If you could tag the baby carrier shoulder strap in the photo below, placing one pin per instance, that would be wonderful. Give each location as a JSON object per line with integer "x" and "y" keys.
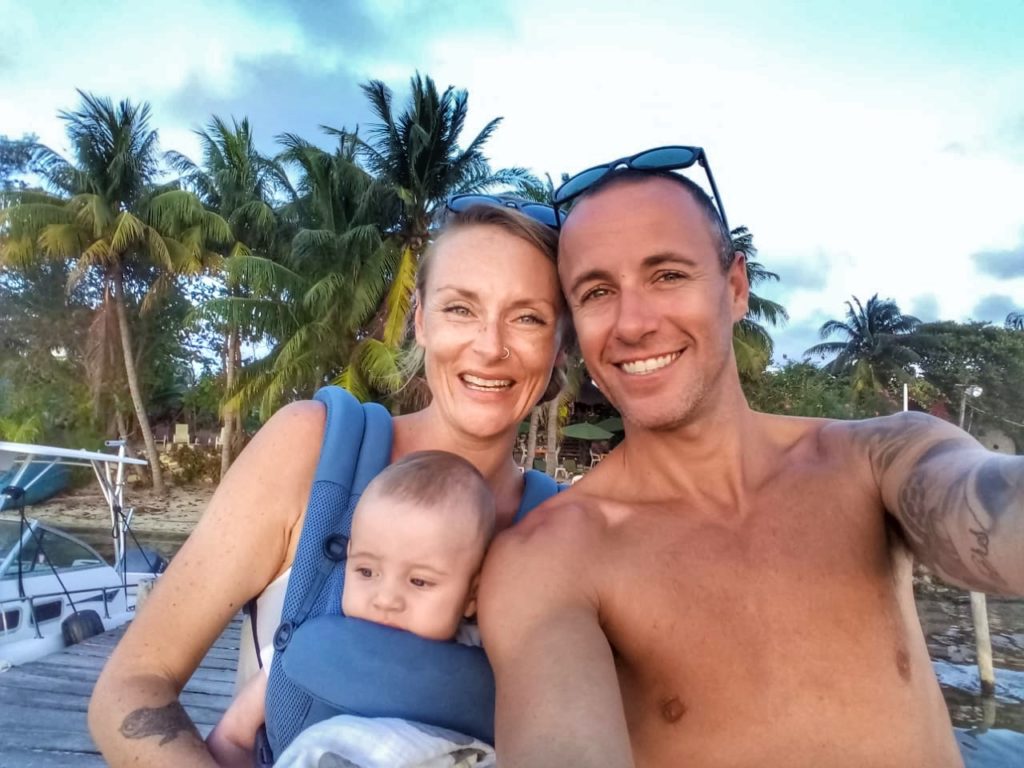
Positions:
{"x": 356, "y": 447}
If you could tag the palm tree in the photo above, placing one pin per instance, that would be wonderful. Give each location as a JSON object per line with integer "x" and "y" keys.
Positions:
{"x": 239, "y": 184}
{"x": 103, "y": 215}
{"x": 876, "y": 346}
{"x": 417, "y": 154}
{"x": 314, "y": 304}
{"x": 1015, "y": 321}
{"x": 751, "y": 340}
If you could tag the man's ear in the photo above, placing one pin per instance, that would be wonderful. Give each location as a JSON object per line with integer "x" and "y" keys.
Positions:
{"x": 417, "y": 318}
{"x": 470, "y": 610}
{"x": 739, "y": 287}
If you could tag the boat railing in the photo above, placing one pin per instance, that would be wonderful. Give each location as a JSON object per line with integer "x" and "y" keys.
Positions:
{"x": 108, "y": 594}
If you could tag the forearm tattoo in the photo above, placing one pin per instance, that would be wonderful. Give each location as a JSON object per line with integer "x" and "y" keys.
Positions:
{"x": 166, "y": 722}
{"x": 954, "y": 510}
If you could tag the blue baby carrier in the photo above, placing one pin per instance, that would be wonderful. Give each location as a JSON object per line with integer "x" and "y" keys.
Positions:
{"x": 326, "y": 664}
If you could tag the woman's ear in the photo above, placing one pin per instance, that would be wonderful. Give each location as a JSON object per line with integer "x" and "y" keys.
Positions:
{"x": 470, "y": 610}
{"x": 417, "y": 318}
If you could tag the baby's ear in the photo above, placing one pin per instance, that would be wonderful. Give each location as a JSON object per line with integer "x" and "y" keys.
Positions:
{"x": 470, "y": 610}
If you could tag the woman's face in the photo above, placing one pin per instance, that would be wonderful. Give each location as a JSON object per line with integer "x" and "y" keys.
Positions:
{"x": 487, "y": 292}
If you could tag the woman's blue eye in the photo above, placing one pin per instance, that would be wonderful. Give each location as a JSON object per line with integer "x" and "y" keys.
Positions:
{"x": 459, "y": 311}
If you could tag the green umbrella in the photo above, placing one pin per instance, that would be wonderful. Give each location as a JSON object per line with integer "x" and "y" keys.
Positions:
{"x": 586, "y": 431}
{"x": 612, "y": 424}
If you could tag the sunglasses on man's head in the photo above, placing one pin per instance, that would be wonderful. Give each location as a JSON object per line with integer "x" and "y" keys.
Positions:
{"x": 541, "y": 212}
{"x": 657, "y": 159}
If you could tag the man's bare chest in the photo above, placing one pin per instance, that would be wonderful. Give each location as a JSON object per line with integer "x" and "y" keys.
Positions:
{"x": 679, "y": 575}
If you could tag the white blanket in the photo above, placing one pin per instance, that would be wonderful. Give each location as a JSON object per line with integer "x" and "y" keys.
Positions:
{"x": 347, "y": 741}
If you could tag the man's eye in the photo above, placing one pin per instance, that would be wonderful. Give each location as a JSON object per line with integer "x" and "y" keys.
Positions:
{"x": 670, "y": 277}
{"x": 594, "y": 293}
{"x": 421, "y": 583}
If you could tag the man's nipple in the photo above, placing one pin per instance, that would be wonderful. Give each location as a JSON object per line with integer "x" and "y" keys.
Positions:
{"x": 672, "y": 709}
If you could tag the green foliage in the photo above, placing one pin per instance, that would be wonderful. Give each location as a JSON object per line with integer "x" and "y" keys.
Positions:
{"x": 960, "y": 354}
{"x": 306, "y": 259}
{"x": 803, "y": 389}
{"x": 194, "y": 463}
{"x": 15, "y": 157}
{"x": 876, "y": 349}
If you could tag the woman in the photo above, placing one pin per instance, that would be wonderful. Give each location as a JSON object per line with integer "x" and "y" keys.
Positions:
{"x": 490, "y": 319}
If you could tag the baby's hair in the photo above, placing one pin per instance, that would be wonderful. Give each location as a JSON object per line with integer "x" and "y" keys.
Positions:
{"x": 433, "y": 478}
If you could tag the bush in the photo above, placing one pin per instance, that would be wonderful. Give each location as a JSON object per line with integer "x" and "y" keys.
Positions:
{"x": 193, "y": 463}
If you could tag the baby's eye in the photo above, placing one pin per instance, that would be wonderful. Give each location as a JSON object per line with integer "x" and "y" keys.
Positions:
{"x": 421, "y": 583}
{"x": 366, "y": 573}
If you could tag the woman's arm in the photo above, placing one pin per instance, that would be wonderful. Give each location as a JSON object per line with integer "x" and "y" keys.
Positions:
{"x": 232, "y": 740}
{"x": 245, "y": 538}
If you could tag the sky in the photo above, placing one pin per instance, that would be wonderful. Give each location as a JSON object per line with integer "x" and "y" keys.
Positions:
{"x": 871, "y": 147}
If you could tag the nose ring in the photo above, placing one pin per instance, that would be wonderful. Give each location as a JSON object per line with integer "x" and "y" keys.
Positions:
{"x": 507, "y": 353}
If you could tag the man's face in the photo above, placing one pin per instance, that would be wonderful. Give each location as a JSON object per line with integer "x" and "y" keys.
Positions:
{"x": 652, "y": 307}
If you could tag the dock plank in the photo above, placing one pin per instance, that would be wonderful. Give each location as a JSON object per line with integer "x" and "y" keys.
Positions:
{"x": 43, "y": 719}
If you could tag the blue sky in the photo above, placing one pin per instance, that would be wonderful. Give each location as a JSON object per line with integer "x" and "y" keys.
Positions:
{"x": 870, "y": 147}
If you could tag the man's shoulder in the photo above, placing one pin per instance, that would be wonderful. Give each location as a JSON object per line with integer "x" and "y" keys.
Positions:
{"x": 566, "y": 520}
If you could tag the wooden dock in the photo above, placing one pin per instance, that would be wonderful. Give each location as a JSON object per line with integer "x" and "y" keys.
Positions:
{"x": 43, "y": 704}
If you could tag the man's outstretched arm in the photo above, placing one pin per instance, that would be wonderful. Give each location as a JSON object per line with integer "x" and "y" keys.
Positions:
{"x": 961, "y": 506}
{"x": 558, "y": 694}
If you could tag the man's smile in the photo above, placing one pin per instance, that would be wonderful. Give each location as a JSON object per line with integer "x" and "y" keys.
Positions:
{"x": 648, "y": 365}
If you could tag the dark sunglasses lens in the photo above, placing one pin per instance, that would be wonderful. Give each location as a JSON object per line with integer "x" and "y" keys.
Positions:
{"x": 460, "y": 203}
{"x": 545, "y": 214}
{"x": 578, "y": 183}
{"x": 665, "y": 158}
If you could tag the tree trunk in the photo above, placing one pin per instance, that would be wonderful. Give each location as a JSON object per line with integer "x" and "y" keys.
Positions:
{"x": 228, "y": 435}
{"x": 152, "y": 455}
{"x": 552, "y": 456}
{"x": 531, "y": 438}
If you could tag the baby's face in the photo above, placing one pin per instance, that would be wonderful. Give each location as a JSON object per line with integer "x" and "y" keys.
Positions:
{"x": 412, "y": 568}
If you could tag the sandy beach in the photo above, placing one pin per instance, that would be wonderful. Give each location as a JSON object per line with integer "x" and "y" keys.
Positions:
{"x": 162, "y": 523}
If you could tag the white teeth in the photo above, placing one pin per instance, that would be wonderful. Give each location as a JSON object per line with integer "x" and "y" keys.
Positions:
{"x": 475, "y": 382}
{"x": 650, "y": 365}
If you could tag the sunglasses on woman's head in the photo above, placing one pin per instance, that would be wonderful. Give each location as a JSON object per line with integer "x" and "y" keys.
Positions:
{"x": 657, "y": 159}
{"x": 541, "y": 212}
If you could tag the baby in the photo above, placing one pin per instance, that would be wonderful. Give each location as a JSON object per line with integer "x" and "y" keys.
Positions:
{"x": 419, "y": 534}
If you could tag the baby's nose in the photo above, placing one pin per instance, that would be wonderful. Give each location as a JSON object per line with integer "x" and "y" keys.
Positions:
{"x": 388, "y": 600}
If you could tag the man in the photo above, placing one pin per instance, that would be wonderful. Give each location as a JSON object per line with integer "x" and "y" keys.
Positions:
{"x": 728, "y": 588}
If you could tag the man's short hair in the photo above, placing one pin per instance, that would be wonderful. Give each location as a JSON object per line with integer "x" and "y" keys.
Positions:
{"x": 721, "y": 236}
{"x": 436, "y": 478}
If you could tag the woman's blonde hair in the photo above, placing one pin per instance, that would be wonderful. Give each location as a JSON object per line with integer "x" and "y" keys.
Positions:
{"x": 519, "y": 225}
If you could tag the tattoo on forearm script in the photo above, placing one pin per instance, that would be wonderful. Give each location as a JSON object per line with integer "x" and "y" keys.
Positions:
{"x": 952, "y": 511}
{"x": 166, "y": 722}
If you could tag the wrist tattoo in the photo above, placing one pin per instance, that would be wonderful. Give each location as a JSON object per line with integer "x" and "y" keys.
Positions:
{"x": 167, "y": 722}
